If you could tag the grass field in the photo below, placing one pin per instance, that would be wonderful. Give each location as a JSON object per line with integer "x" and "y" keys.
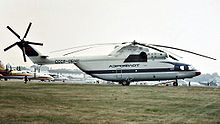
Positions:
{"x": 88, "y": 103}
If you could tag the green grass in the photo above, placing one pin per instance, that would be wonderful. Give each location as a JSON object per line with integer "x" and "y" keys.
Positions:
{"x": 88, "y": 103}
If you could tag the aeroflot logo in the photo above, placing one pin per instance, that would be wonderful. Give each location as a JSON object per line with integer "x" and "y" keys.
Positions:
{"x": 126, "y": 65}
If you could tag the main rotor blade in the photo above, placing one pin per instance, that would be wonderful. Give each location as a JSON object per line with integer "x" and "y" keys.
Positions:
{"x": 151, "y": 47}
{"x": 10, "y": 46}
{"x": 27, "y": 30}
{"x": 41, "y": 44}
{"x": 23, "y": 51}
{"x": 14, "y": 32}
{"x": 83, "y": 46}
{"x": 183, "y": 51}
{"x": 173, "y": 58}
{"x": 77, "y": 51}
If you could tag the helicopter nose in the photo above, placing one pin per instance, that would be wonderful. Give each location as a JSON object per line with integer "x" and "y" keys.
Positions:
{"x": 198, "y": 73}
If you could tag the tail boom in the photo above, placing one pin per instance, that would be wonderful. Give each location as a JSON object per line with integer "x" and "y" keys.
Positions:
{"x": 37, "y": 58}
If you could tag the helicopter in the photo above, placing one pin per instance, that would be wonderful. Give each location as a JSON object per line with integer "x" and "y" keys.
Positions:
{"x": 128, "y": 62}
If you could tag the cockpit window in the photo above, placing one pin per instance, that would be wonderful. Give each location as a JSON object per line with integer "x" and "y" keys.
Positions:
{"x": 142, "y": 57}
{"x": 183, "y": 68}
{"x": 176, "y": 67}
{"x": 186, "y": 67}
{"x": 190, "y": 67}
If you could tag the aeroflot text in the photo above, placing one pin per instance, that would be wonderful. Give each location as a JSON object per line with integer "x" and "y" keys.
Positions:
{"x": 126, "y": 65}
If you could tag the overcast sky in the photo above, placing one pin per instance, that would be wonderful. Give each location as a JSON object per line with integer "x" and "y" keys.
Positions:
{"x": 188, "y": 24}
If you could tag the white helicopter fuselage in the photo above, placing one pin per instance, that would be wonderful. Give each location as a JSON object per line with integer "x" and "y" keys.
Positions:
{"x": 114, "y": 69}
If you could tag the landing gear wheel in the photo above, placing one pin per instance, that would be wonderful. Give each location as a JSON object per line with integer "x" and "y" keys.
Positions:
{"x": 125, "y": 83}
{"x": 175, "y": 83}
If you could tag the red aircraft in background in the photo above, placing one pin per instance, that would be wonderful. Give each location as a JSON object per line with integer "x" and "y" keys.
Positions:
{"x": 9, "y": 73}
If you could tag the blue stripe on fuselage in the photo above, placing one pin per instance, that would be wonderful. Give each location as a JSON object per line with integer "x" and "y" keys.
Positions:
{"x": 133, "y": 71}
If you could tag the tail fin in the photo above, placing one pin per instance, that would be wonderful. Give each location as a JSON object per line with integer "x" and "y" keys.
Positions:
{"x": 34, "y": 55}
{"x": 30, "y": 51}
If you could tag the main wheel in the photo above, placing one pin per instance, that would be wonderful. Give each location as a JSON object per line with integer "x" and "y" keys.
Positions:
{"x": 125, "y": 83}
{"x": 175, "y": 84}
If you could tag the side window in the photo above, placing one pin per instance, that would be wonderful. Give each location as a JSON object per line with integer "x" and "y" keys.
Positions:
{"x": 142, "y": 57}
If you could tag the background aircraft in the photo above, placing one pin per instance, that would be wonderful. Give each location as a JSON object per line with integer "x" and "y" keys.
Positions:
{"x": 9, "y": 73}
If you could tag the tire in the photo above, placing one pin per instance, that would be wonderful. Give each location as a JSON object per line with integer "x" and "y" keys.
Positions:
{"x": 175, "y": 84}
{"x": 125, "y": 83}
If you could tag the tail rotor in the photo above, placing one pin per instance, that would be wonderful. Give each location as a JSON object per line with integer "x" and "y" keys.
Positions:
{"x": 22, "y": 43}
